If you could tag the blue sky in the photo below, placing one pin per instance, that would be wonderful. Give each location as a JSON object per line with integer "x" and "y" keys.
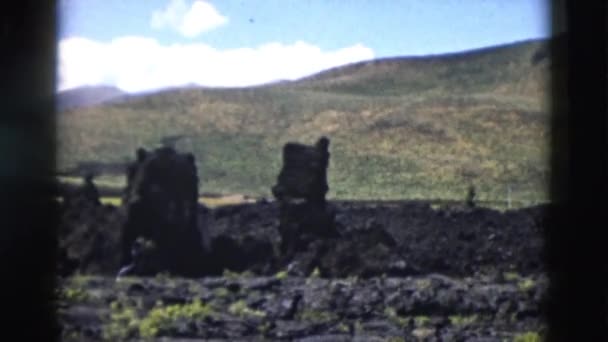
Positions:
{"x": 144, "y": 45}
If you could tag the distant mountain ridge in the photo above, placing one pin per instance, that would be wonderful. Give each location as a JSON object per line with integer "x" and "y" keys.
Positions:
{"x": 86, "y": 96}
{"x": 394, "y": 71}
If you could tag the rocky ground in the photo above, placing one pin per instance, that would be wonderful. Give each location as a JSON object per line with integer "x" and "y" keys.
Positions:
{"x": 401, "y": 271}
{"x": 392, "y": 238}
{"x": 282, "y": 308}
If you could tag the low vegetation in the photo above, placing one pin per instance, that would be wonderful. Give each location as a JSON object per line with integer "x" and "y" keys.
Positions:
{"x": 526, "y": 284}
{"x": 528, "y": 337}
{"x": 462, "y": 320}
{"x": 281, "y": 275}
{"x": 129, "y": 321}
{"x": 149, "y": 316}
{"x": 317, "y": 316}
{"x": 392, "y": 315}
{"x": 160, "y": 318}
{"x": 123, "y": 323}
{"x": 241, "y": 309}
{"x": 74, "y": 295}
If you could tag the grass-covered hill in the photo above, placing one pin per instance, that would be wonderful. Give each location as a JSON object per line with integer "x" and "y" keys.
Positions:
{"x": 407, "y": 127}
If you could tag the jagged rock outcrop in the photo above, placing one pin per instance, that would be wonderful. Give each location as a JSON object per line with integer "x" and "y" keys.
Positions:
{"x": 304, "y": 172}
{"x": 161, "y": 204}
{"x": 300, "y": 190}
{"x": 88, "y": 232}
{"x": 396, "y": 239}
{"x": 300, "y": 232}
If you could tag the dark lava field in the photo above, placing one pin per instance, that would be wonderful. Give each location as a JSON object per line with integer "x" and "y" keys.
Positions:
{"x": 398, "y": 271}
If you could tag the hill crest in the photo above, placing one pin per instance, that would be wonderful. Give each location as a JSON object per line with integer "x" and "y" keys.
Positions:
{"x": 86, "y": 96}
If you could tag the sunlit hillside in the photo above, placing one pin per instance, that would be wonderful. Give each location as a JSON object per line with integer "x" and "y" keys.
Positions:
{"x": 423, "y": 127}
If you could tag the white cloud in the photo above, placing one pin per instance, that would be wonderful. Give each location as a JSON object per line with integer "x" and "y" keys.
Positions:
{"x": 190, "y": 22}
{"x": 140, "y": 64}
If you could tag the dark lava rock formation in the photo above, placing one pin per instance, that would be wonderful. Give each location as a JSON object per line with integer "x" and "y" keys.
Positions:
{"x": 301, "y": 187}
{"x": 395, "y": 239}
{"x": 398, "y": 239}
{"x": 88, "y": 233}
{"x": 161, "y": 204}
{"x": 300, "y": 232}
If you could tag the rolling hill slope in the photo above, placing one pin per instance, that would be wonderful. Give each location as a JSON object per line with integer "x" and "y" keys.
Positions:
{"x": 423, "y": 127}
{"x": 511, "y": 68}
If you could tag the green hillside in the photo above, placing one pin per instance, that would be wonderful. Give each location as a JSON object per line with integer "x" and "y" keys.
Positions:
{"x": 423, "y": 127}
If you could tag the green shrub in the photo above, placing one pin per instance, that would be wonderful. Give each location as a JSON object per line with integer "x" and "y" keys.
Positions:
{"x": 221, "y": 292}
{"x": 396, "y": 339}
{"x": 421, "y": 320}
{"x": 281, "y": 275}
{"x": 511, "y": 276}
{"x": 264, "y": 328}
{"x": 343, "y": 327}
{"x": 526, "y": 284}
{"x": 235, "y": 275}
{"x": 124, "y": 322}
{"x": 240, "y": 308}
{"x": 462, "y": 320}
{"x": 529, "y": 336}
{"x": 316, "y": 316}
{"x": 392, "y": 315}
{"x": 423, "y": 283}
{"x": 161, "y": 317}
